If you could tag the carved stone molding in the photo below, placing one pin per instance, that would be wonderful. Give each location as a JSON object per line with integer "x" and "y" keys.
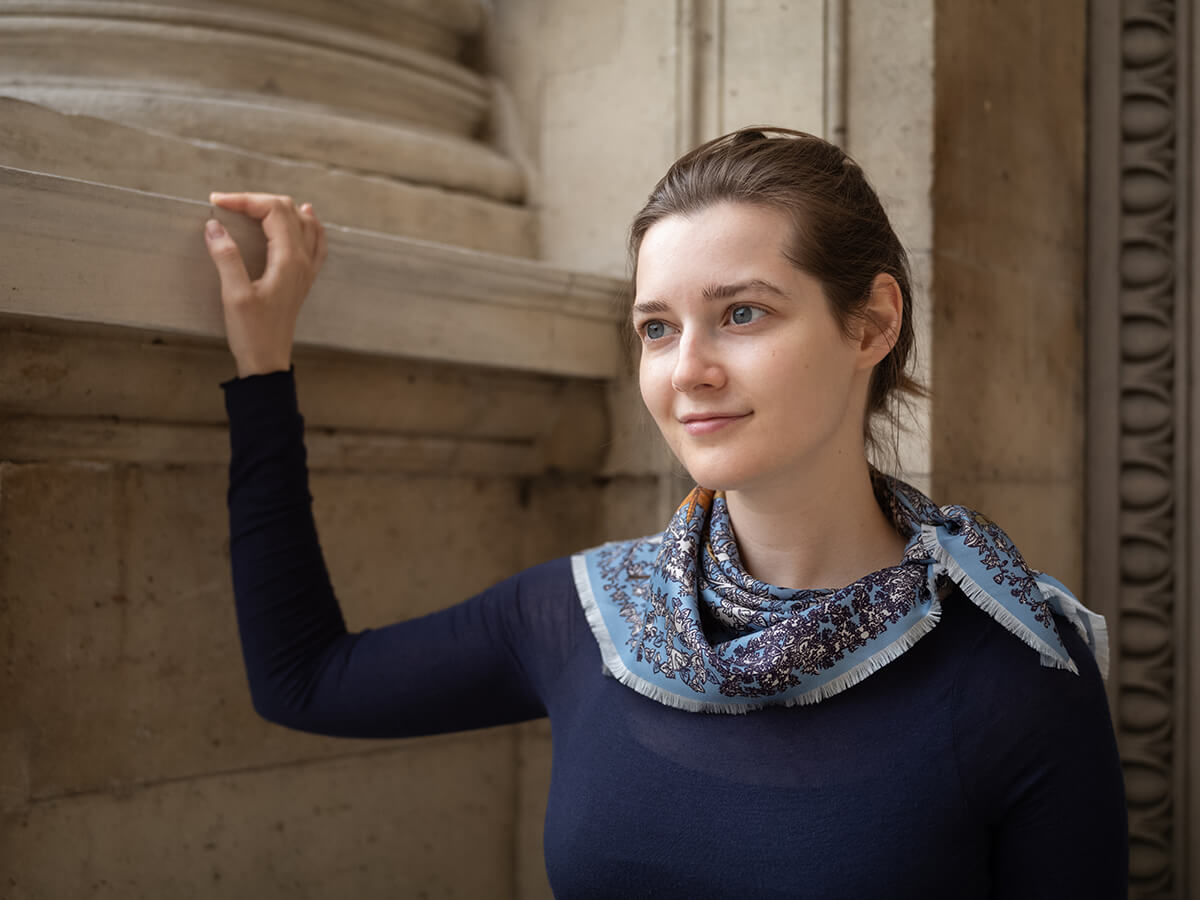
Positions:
{"x": 215, "y": 49}
{"x": 1139, "y": 450}
{"x": 267, "y": 85}
{"x": 137, "y": 260}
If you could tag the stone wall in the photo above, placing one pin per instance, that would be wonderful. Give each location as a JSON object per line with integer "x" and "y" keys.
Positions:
{"x": 1009, "y": 262}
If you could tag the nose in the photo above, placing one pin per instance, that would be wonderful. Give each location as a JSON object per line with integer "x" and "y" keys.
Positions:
{"x": 696, "y": 363}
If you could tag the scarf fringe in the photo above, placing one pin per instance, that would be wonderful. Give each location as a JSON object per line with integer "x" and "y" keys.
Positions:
{"x": 989, "y": 604}
{"x": 615, "y": 667}
{"x": 1091, "y": 626}
{"x": 611, "y": 658}
{"x": 869, "y": 666}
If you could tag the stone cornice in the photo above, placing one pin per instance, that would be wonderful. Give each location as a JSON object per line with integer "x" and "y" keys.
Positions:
{"x": 76, "y": 250}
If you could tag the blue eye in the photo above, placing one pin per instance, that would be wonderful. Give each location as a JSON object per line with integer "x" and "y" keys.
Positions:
{"x": 744, "y": 315}
{"x": 654, "y": 330}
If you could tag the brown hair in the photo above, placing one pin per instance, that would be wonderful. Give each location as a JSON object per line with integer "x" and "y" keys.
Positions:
{"x": 842, "y": 236}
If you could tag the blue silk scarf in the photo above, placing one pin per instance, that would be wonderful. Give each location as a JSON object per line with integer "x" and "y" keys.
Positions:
{"x": 679, "y": 620}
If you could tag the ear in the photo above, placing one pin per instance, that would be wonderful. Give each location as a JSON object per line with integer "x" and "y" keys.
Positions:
{"x": 881, "y": 320}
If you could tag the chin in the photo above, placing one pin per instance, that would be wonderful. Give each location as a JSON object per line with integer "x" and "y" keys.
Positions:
{"x": 731, "y": 476}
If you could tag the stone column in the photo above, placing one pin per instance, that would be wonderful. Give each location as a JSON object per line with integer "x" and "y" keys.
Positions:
{"x": 365, "y": 112}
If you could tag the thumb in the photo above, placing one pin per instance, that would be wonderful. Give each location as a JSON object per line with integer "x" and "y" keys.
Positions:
{"x": 235, "y": 281}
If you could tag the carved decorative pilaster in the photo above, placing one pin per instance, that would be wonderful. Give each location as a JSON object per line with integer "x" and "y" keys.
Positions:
{"x": 1138, "y": 451}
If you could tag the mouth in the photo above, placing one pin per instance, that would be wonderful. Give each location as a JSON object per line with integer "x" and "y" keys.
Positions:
{"x": 707, "y": 423}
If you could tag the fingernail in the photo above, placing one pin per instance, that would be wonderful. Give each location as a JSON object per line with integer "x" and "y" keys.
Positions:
{"x": 214, "y": 229}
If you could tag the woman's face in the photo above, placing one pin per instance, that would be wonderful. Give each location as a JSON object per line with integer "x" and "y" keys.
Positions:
{"x": 743, "y": 366}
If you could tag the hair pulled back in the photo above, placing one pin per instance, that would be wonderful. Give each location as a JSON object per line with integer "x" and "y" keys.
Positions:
{"x": 841, "y": 234}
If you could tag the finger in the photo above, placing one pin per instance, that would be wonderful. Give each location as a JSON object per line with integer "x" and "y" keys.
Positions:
{"x": 308, "y": 227}
{"x": 255, "y": 205}
{"x": 279, "y": 219}
{"x": 319, "y": 255}
{"x": 235, "y": 281}
{"x": 281, "y": 224}
{"x": 285, "y": 241}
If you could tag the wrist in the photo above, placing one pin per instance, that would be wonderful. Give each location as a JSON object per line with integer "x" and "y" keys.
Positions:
{"x": 247, "y": 368}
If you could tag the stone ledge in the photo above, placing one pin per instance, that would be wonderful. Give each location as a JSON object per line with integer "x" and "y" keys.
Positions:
{"x": 138, "y": 260}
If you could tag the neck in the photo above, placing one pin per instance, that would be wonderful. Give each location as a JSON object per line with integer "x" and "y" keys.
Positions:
{"x": 825, "y": 530}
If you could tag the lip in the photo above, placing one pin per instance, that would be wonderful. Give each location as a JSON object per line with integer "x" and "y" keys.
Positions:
{"x": 707, "y": 423}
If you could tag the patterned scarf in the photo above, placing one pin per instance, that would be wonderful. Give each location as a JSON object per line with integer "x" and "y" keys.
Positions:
{"x": 679, "y": 620}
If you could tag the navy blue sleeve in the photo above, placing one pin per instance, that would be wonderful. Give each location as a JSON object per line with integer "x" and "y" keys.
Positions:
{"x": 1038, "y": 760}
{"x": 455, "y": 669}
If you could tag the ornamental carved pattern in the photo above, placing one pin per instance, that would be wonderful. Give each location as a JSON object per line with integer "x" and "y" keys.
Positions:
{"x": 1149, "y": 312}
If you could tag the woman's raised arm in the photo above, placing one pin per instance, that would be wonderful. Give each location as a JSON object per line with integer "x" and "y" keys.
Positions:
{"x": 455, "y": 669}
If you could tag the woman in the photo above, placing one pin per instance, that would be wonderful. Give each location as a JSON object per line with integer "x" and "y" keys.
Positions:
{"x": 877, "y": 755}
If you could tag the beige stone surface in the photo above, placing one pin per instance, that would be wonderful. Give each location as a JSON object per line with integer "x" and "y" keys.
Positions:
{"x": 148, "y": 268}
{"x": 86, "y": 371}
{"x": 388, "y": 564}
{"x": 567, "y": 64}
{"x": 604, "y": 91}
{"x": 424, "y": 206}
{"x": 1009, "y": 376}
{"x": 391, "y": 823}
{"x": 1008, "y": 261}
{"x": 635, "y": 505}
{"x": 890, "y": 108}
{"x": 119, "y": 620}
{"x": 226, "y": 58}
{"x": 37, "y": 438}
{"x": 438, "y": 26}
{"x": 1044, "y": 519}
{"x": 299, "y": 134}
{"x": 766, "y": 45}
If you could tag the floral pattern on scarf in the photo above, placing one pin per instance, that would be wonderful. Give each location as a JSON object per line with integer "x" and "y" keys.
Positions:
{"x": 680, "y": 620}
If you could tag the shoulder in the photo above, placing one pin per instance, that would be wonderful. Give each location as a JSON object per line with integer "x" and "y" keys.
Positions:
{"x": 995, "y": 660}
{"x": 1001, "y": 681}
{"x": 1017, "y": 722}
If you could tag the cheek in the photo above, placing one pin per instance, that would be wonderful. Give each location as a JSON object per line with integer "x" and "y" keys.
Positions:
{"x": 654, "y": 382}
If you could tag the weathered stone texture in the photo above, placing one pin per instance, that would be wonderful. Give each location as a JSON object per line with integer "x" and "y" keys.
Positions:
{"x": 1008, "y": 269}
{"x": 391, "y": 823}
{"x": 127, "y": 731}
{"x": 84, "y": 146}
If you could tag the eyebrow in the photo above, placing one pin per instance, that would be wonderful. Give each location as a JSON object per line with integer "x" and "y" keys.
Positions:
{"x": 712, "y": 292}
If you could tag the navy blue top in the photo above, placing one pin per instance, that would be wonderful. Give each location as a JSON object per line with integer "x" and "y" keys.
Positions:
{"x": 963, "y": 769}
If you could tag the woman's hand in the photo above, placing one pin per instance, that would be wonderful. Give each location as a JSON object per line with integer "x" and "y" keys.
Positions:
{"x": 260, "y": 316}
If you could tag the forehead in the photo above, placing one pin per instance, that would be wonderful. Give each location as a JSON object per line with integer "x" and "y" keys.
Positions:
{"x": 724, "y": 242}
